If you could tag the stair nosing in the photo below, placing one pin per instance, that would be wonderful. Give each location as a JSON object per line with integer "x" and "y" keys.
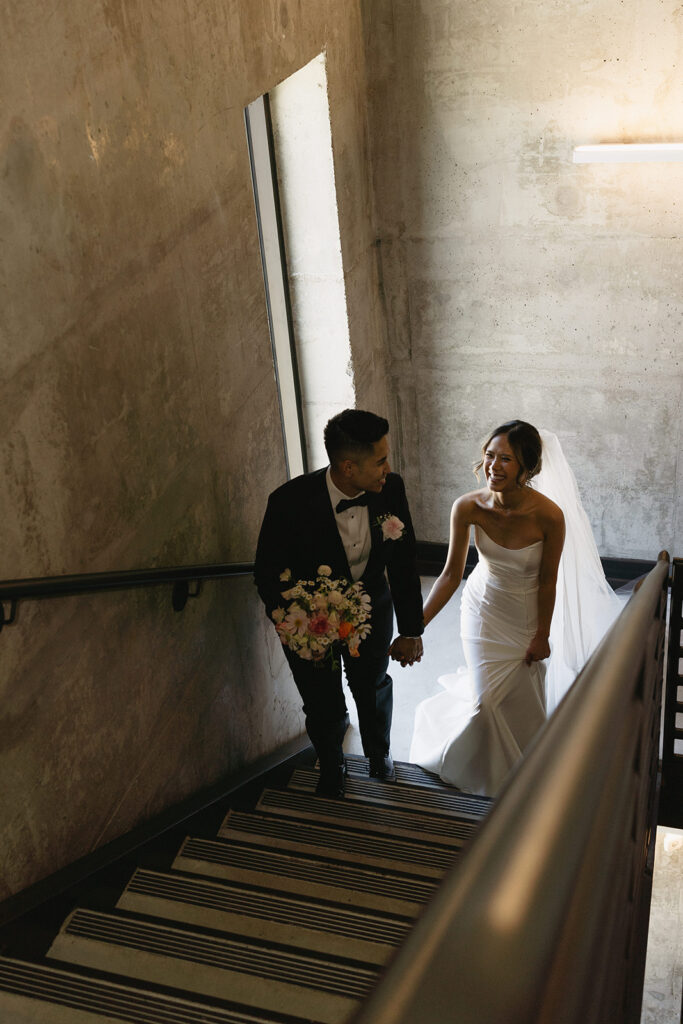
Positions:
{"x": 176, "y": 1008}
{"x": 271, "y": 961}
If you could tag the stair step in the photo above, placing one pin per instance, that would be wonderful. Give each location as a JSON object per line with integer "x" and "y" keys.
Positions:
{"x": 427, "y": 860}
{"x": 406, "y": 773}
{"x": 449, "y": 802}
{"x": 44, "y": 994}
{"x": 326, "y": 989}
{"x": 428, "y": 828}
{"x": 262, "y": 913}
{"x": 315, "y": 877}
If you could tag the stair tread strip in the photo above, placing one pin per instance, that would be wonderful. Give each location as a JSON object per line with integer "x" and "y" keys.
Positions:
{"x": 328, "y": 973}
{"x": 406, "y": 773}
{"x": 269, "y": 905}
{"x": 322, "y": 871}
{"x": 431, "y": 857}
{"x": 370, "y": 817}
{"x": 451, "y": 804}
{"x": 118, "y": 1000}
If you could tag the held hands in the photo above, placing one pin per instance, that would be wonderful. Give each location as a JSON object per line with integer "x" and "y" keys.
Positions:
{"x": 538, "y": 650}
{"x": 406, "y": 650}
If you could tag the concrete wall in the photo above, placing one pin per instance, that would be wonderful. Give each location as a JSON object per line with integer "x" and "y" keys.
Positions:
{"x": 138, "y": 410}
{"x": 517, "y": 283}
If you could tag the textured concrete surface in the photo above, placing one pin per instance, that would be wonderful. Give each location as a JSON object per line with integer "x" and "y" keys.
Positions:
{"x": 663, "y": 988}
{"x": 486, "y": 276}
{"x": 516, "y": 283}
{"x": 138, "y": 408}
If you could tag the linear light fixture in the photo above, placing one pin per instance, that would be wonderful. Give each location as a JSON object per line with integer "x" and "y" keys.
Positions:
{"x": 628, "y": 152}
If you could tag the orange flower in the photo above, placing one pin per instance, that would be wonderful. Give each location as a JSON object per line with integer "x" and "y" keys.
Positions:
{"x": 344, "y": 629}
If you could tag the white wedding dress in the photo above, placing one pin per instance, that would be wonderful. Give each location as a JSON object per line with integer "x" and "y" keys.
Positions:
{"x": 477, "y": 730}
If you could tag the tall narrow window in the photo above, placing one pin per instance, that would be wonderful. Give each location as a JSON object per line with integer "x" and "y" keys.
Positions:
{"x": 264, "y": 179}
{"x": 305, "y": 193}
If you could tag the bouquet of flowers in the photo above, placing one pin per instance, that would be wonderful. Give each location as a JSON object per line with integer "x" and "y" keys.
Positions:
{"x": 320, "y": 613}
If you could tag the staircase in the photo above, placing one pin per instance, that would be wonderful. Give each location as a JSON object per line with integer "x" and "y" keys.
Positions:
{"x": 287, "y": 916}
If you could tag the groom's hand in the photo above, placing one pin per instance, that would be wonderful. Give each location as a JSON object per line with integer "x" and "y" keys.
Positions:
{"x": 406, "y": 649}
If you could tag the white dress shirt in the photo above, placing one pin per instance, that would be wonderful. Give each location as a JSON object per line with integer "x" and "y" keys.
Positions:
{"x": 354, "y": 529}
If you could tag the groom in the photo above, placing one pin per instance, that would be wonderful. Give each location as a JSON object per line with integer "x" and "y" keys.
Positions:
{"x": 354, "y": 518}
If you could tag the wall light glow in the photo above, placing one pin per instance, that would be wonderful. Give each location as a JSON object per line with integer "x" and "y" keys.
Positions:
{"x": 628, "y": 152}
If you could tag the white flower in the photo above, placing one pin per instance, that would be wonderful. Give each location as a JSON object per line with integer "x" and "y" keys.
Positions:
{"x": 278, "y": 614}
{"x": 324, "y": 570}
{"x": 296, "y": 620}
{"x": 335, "y": 598}
{"x": 286, "y": 576}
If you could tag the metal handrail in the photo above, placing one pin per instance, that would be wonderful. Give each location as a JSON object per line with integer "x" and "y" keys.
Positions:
{"x": 543, "y": 919}
{"x": 180, "y": 576}
{"x": 671, "y": 803}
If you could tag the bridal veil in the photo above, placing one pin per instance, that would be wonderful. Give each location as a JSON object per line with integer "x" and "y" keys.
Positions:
{"x": 585, "y": 605}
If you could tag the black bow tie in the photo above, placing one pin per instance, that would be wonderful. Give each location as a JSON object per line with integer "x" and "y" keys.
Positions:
{"x": 345, "y": 503}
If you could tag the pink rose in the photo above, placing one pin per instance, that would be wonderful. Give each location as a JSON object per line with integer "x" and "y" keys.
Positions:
{"x": 392, "y": 528}
{"x": 319, "y": 624}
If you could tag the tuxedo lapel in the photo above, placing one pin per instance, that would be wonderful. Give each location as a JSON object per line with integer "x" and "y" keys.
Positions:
{"x": 374, "y": 511}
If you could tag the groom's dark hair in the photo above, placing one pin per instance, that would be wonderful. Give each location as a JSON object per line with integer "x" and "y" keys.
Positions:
{"x": 352, "y": 433}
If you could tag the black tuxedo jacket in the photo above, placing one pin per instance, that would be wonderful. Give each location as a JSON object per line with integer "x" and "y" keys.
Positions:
{"x": 299, "y": 533}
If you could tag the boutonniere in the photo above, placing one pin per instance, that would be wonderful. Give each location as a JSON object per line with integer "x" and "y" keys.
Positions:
{"x": 391, "y": 526}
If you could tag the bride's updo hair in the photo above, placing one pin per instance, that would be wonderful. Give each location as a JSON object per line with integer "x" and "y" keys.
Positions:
{"x": 525, "y": 442}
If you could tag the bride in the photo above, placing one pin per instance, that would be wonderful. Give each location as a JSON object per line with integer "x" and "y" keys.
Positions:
{"x": 474, "y": 732}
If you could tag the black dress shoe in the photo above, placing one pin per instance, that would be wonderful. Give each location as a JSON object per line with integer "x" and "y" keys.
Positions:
{"x": 382, "y": 768}
{"x": 331, "y": 782}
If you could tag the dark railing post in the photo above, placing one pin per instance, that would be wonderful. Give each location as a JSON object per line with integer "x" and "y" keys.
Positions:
{"x": 7, "y": 618}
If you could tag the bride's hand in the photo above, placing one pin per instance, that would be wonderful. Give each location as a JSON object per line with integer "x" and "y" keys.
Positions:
{"x": 406, "y": 650}
{"x": 538, "y": 650}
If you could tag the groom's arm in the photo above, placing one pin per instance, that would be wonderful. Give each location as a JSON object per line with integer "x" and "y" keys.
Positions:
{"x": 401, "y": 561}
{"x": 271, "y": 553}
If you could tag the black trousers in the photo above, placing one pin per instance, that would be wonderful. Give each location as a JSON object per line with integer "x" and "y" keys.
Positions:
{"x": 320, "y": 687}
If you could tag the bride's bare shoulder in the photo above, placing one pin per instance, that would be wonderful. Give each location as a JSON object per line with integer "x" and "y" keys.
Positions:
{"x": 467, "y": 506}
{"x": 548, "y": 510}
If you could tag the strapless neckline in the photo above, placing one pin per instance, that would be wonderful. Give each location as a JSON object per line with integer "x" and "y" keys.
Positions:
{"x": 524, "y": 548}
